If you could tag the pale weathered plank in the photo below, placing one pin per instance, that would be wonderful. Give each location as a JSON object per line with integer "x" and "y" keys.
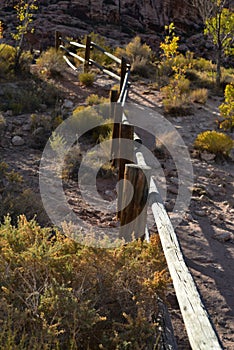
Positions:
{"x": 201, "y": 333}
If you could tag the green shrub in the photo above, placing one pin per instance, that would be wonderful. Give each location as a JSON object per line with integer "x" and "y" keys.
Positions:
{"x": 214, "y": 142}
{"x": 176, "y": 96}
{"x": 51, "y": 63}
{"x": 94, "y": 99}
{"x": 72, "y": 161}
{"x": 84, "y": 120}
{"x": 139, "y": 56}
{"x": 2, "y": 124}
{"x": 87, "y": 79}
{"x": 27, "y": 96}
{"x": 7, "y": 57}
{"x": 199, "y": 95}
{"x": 40, "y": 120}
{"x": 203, "y": 65}
{"x": 227, "y": 108}
{"x": 57, "y": 294}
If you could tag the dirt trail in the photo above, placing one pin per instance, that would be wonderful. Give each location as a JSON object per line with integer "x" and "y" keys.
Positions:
{"x": 206, "y": 234}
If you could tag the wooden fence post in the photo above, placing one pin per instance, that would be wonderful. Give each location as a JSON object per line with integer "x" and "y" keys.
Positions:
{"x": 125, "y": 156}
{"x": 123, "y": 71}
{"x": 87, "y": 53}
{"x": 114, "y": 94}
{"x": 134, "y": 214}
{"x": 57, "y": 39}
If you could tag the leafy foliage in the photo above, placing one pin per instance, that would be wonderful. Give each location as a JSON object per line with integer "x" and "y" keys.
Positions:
{"x": 227, "y": 108}
{"x": 170, "y": 44}
{"x": 24, "y": 12}
{"x": 214, "y": 142}
{"x": 221, "y": 29}
{"x": 57, "y": 294}
{"x": 220, "y": 26}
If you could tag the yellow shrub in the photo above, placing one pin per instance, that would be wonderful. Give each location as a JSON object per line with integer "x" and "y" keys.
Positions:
{"x": 227, "y": 108}
{"x": 86, "y": 79}
{"x": 199, "y": 96}
{"x": 214, "y": 142}
{"x": 57, "y": 294}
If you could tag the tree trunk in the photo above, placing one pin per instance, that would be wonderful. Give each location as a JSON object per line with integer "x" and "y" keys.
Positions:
{"x": 218, "y": 66}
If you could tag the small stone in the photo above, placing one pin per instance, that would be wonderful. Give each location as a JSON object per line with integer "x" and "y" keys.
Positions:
{"x": 26, "y": 127}
{"x": 9, "y": 113}
{"x": 43, "y": 107}
{"x": 17, "y": 141}
{"x": 231, "y": 202}
{"x": 207, "y": 156}
{"x": 210, "y": 192}
{"x": 174, "y": 180}
{"x": 173, "y": 189}
{"x": 68, "y": 104}
{"x": 200, "y": 213}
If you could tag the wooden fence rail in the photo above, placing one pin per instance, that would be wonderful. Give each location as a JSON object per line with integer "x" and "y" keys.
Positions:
{"x": 201, "y": 333}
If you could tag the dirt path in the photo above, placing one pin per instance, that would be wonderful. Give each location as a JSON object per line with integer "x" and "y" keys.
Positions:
{"x": 206, "y": 234}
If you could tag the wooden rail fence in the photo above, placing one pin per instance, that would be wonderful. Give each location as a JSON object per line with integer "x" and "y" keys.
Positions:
{"x": 201, "y": 333}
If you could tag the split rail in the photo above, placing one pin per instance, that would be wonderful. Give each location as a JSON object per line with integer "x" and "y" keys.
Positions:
{"x": 200, "y": 330}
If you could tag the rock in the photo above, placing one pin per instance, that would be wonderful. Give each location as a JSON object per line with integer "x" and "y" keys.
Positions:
{"x": 223, "y": 236}
{"x": 68, "y": 104}
{"x": 43, "y": 107}
{"x": 210, "y": 192}
{"x": 39, "y": 138}
{"x": 17, "y": 141}
{"x": 207, "y": 156}
{"x": 9, "y": 113}
{"x": 231, "y": 202}
{"x": 174, "y": 180}
{"x": 173, "y": 189}
{"x": 169, "y": 205}
{"x": 26, "y": 127}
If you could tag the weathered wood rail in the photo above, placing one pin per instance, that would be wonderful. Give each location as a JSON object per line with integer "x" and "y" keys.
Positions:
{"x": 201, "y": 333}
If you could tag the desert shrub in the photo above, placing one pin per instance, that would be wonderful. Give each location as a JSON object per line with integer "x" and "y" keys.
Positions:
{"x": 58, "y": 294}
{"x": 203, "y": 65}
{"x": 87, "y": 79}
{"x": 214, "y": 142}
{"x": 40, "y": 120}
{"x": 16, "y": 198}
{"x": 94, "y": 99}
{"x": 58, "y": 144}
{"x": 176, "y": 96}
{"x": 51, "y": 63}
{"x": 7, "y": 57}
{"x": 139, "y": 56}
{"x": 95, "y": 54}
{"x": 27, "y": 96}
{"x": 85, "y": 119}
{"x": 2, "y": 124}
{"x": 90, "y": 121}
{"x": 199, "y": 95}
{"x": 227, "y": 108}
{"x": 72, "y": 161}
